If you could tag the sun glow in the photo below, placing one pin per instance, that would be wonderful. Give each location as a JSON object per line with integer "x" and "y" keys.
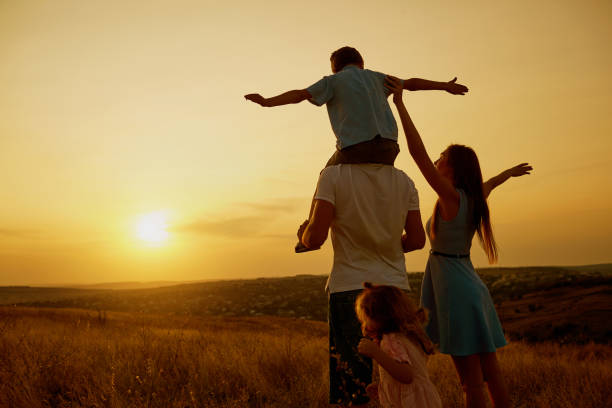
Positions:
{"x": 151, "y": 228}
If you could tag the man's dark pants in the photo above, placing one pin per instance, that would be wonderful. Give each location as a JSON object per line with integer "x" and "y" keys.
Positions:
{"x": 349, "y": 372}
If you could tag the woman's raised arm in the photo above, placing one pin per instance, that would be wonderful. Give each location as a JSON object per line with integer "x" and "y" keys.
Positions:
{"x": 449, "y": 197}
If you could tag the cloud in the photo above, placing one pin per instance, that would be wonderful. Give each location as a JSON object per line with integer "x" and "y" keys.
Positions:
{"x": 280, "y": 205}
{"x": 260, "y": 215}
{"x": 282, "y": 181}
{"x": 237, "y": 227}
{"x": 280, "y": 236}
{"x": 19, "y": 233}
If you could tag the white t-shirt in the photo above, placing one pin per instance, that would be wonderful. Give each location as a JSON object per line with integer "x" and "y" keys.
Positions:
{"x": 371, "y": 202}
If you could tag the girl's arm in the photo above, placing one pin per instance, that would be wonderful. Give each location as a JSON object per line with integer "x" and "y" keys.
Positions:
{"x": 449, "y": 197}
{"x": 516, "y": 171}
{"x": 402, "y": 372}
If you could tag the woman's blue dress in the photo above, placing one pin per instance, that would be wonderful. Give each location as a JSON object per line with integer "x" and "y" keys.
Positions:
{"x": 462, "y": 316}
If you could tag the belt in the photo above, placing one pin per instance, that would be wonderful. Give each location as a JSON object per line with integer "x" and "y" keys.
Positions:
{"x": 449, "y": 255}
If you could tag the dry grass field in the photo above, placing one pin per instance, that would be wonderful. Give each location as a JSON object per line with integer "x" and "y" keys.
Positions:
{"x": 77, "y": 358}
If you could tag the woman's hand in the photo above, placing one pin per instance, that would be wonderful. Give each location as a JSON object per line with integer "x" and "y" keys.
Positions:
{"x": 494, "y": 182}
{"x": 395, "y": 86}
{"x": 520, "y": 170}
{"x": 367, "y": 347}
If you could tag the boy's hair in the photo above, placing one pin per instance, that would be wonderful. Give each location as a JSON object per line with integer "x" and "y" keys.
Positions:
{"x": 345, "y": 56}
{"x": 394, "y": 312}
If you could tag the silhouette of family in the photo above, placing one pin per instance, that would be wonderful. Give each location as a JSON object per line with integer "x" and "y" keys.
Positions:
{"x": 372, "y": 209}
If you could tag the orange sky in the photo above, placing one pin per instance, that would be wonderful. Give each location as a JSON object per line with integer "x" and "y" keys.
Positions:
{"x": 110, "y": 110}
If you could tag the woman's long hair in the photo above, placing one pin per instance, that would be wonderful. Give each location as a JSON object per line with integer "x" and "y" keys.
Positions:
{"x": 468, "y": 177}
{"x": 394, "y": 312}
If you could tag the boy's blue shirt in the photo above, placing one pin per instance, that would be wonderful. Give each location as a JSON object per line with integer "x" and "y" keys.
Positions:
{"x": 357, "y": 105}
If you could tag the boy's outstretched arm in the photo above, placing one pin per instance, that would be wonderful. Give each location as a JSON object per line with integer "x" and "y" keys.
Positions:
{"x": 295, "y": 96}
{"x": 516, "y": 171}
{"x": 452, "y": 87}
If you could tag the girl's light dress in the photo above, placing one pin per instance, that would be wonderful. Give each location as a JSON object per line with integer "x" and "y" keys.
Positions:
{"x": 420, "y": 392}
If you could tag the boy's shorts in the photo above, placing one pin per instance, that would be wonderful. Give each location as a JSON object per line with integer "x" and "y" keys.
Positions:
{"x": 349, "y": 371}
{"x": 378, "y": 150}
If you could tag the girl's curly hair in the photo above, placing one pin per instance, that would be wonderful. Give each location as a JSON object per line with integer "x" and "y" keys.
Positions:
{"x": 394, "y": 312}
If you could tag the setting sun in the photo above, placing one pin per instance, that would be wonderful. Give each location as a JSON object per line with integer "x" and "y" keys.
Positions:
{"x": 151, "y": 227}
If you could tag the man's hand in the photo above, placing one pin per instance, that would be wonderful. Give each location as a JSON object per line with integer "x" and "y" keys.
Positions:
{"x": 367, "y": 347}
{"x": 301, "y": 229}
{"x": 395, "y": 86}
{"x": 454, "y": 88}
{"x": 520, "y": 170}
{"x": 257, "y": 98}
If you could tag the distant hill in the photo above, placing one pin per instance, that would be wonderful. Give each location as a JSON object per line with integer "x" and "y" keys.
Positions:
{"x": 12, "y": 295}
{"x": 128, "y": 285}
{"x": 569, "y": 314}
{"x": 567, "y": 304}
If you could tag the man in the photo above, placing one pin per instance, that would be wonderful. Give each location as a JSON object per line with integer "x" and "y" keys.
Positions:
{"x": 368, "y": 207}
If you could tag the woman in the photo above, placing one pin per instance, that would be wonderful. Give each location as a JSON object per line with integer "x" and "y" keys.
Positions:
{"x": 463, "y": 320}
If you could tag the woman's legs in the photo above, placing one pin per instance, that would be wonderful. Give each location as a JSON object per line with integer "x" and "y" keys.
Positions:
{"x": 473, "y": 371}
{"x": 470, "y": 374}
{"x": 495, "y": 381}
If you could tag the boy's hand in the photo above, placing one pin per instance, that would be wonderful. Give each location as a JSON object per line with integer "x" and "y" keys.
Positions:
{"x": 367, "y": 347}
{"x": 395, "y": 86}
{"x": 520, "y": 170}
{"x": 257, "y": 98}
{"x": 454, "y": 88}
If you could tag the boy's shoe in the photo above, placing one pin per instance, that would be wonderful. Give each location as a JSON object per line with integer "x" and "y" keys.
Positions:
{"x": 299, "y": 248}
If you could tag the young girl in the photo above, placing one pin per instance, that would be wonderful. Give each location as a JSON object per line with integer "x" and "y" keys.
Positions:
{"x": 399, "y": 345}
